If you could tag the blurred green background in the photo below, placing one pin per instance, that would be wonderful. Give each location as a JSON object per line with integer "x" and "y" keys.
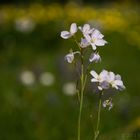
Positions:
{"x": 37, "y": 100}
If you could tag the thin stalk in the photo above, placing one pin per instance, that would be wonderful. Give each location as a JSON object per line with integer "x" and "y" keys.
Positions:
{"x": 81, "y": 97}
{"x": 85, "y": 80}
{"x": 74, "y": 37}
{"x": 98, "y": 118}
{"x": 86, "y": 75}
{"x": 78, "y": 75}
{"x": 78, "y": 94}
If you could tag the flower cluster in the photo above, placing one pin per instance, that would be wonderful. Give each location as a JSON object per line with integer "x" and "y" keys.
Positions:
{"x": 107, "y": 79}
{"x": 93, "y": 38}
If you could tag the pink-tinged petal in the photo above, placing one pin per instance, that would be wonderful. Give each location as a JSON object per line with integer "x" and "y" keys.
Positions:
{"x": 73, "y": 28}
{"x": 100, "y": 42}
{"x": 86, "y": 28}
{"x": 91, "y": 31}
{"x": 65, "y": 34}
{"x": 100, "y": 36}
{"x": 95, "y": 57}
{"x": 88, "y": 38}
{"x": 111, "y": 76}
{"x": 95, "y": 34}
{"x": 93, "y": 46}
{"x": 94, "y": 74}
{"x": 104, "y": 75}
{"x": 104, "y": 84}
{"x": 84, "y": 43}
{"x": 118, "y": 82}
{"x": 117, "y": 77}
{"x": 69, "y": 57}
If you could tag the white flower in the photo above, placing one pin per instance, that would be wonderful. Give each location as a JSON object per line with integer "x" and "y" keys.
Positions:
{"x": 95, "y": 57}
{"x": 68, "y": 34}
{"x": 108, "y": 103}
{"x": 70, "y": 57}
{"x": 99, "y": 77}
{"x": 115, "y": 81}
{"x": 96, "y": 39}
{"x": 86, "y": 29}
{"x": 84, "y": 43}
{"x": 107, "y": 79}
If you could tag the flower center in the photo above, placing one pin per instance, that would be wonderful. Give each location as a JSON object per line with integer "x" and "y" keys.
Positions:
{"x": 99, "y": 78}
{"x": 92, "y": 40}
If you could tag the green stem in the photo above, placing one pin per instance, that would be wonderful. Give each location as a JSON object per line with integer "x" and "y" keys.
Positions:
{"x": 98, "y": 117}
{"x": 85, "y": 80}
{"x": 78, "y": 94}
{"x": 74, "y": 37}
{"x": 81, "y": 97}
{"x": 86, "y": 75}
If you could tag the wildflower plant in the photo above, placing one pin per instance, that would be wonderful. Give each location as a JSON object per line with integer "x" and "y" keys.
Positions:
{"x": 91, "y": 39}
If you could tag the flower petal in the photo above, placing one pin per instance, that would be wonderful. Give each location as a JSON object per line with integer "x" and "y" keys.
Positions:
{"x": 104, "y": 85}
{"x": 84, "y": 43}
{"x": 88, "y": 38}
{"x": 94, "y": 80}
{"x": 111, "y": 76}
{"x": 69, "y": 57}
{"x": 73, "y": 28}
{"x": 100, "y": 36}
{"x": 100, "y": 42}
{"x": 118, "y": 82}
{"x": 86, "y": 28}
{"x": 117, "y": 77}
{"x": 100, "y": 88}
{"x": 65, "y": 34}
{"x": 95, "y": 33}
{"x": 93, "y": 46}
{"x": 104, "y": 75}
{"x": 94, "y": 74}
{"x": 95, "y": 57}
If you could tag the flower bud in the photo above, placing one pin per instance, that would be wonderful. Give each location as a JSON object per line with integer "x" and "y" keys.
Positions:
{"x": 95, "y": 57}
{"x": 69, "y": 57}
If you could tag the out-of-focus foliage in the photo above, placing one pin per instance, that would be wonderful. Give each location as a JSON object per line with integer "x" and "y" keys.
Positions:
{"x": 112, "y": 18}
{"x": 37, "y": 100}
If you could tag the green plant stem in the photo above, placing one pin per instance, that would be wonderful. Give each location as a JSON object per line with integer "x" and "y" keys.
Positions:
{"x": 86, "y": 75}
{"x": 98, "y": 118}
{"x": 81, "y": 96}
{"x": 74, "y": 37}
